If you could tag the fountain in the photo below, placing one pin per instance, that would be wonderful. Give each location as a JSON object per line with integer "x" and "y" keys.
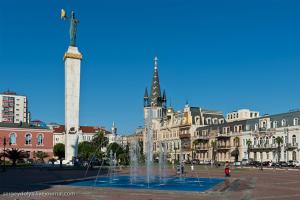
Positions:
{"x": 148, "y": 181}
{"x": 134, "y": 160}
{"x": 149, "y": 148}
{"x": 162, "y": 162}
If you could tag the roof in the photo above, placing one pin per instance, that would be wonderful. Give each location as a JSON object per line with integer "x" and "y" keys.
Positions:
{"x": 84, "y": 129}
{"x": 19, "y": 125}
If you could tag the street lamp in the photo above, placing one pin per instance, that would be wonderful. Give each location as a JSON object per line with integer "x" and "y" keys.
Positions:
{"x": 4, "y": 144}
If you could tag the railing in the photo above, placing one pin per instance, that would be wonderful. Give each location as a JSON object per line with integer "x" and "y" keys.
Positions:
{"x": 223, "y": 135}
{"x": 185, "y": 135}
{"x": 263, "y": 146}
{"x": 201, "y": 148}
{"x": 222, "y": 146}
{"x": 202, "y": 137}
{"x": 291, "y": 145}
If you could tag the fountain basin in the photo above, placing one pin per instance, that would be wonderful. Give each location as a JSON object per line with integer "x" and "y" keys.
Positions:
{"x": 168, "y": 183}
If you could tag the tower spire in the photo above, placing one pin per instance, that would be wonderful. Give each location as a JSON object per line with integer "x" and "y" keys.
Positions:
{"x": 155, "y": 95}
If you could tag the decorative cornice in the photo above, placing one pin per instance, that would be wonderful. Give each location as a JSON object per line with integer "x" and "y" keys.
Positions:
{"x": 73, "y": 55}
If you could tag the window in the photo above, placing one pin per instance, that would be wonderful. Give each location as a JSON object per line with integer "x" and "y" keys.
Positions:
{"x": 40, "y": 139}
{"x": 275, "y": 124}
{"x": 268, "y": 155}
{"x": 256, "y": 126}
{"x": 28, "y": 138}
{"x": 296, "y": 122}
{"x": 273, "y": 140}
{"x": 12, "y": 138}
{"x": 294, "y": 139}
{"x": 283, "y": 122}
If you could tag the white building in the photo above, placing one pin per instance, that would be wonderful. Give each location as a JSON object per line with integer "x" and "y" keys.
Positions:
{"x": 241, "y": 114}
{"x": 13, "y": 108}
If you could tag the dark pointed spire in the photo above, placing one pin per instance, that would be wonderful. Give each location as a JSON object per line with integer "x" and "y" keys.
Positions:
{"x": 155, "y": 95}
{"x": 164, "y": 97}
{"x": 146, "y": 94}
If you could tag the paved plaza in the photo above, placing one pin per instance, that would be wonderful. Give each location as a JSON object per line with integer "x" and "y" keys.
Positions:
{"x": 243, "y": 184}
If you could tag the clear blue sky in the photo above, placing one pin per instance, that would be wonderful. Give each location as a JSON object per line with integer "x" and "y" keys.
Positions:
{"x": 222, "y": 55}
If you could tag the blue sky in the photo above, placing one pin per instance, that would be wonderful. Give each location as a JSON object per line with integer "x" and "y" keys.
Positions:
{"x": 221, "y": 55}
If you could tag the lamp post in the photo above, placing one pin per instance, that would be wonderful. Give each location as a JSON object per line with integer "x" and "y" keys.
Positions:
{"x": 4, "y": 144}
{"x": 175, "y": 149}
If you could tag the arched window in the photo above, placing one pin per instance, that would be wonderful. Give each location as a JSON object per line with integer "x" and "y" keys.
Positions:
{"x": 40, "y": 139}
{"x": 294, "y": 139}
{"x": 273, "y": 140}
{"x": 275, "y": 124}
{"x": 296, "y": 121}
{"x": 256, "y": 127}
{"x": 261, "y": 141}
{"x": 283, "y": 122}
{"x": 13, "y": 138}
{"x": 28, "y": 138}
{"x": 267, "y": 140}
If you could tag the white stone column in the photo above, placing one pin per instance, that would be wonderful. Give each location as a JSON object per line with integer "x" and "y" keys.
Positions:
{"x": 72, "y": 93}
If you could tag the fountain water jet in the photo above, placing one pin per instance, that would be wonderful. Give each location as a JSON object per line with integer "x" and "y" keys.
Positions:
{"x": 162, "y": 162}
{"x": 134, "y": 160}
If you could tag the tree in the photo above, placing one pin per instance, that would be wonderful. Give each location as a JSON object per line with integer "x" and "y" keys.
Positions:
{"x": 41, "y": 155}
{"x": 14, "y": 155}
{"x": 59, "y": 151}
{"x": 115, "y": 148}
{"x": 86, "y": 150}
{"x": 248, "y": 143}
{"x": 99, "y": 140}
{"x": 278, "y": 141}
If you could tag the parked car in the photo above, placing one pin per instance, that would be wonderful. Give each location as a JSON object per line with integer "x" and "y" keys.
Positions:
{"x": 245, "y": 162}
{"x": 196, "y": 162}
{"x": 254, "y": 163}
{"x": 187, "y": 162}
{"x": 293, "y": 163}
{"x": 283, "y": 164}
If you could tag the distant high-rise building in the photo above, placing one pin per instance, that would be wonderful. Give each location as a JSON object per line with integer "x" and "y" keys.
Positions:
{"x": 13, "y": 108}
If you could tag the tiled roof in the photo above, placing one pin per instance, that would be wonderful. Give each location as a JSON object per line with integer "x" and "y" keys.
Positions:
{"x": 84, "y": 129}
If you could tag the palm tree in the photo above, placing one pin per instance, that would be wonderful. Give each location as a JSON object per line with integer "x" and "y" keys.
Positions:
{"x": 99, "y": 139}
{"x": 41, "y": 155}
{"x": 278, "y": 141}
{"x": 248, "y": 143}
{"x": 14, "y": 155}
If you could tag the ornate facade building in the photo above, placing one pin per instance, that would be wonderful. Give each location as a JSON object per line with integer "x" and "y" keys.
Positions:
{"x": 198, "y": 133}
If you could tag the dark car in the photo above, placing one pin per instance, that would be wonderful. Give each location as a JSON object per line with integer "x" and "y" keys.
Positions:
{"x": 283, "y": 164}
{"x": 254, "y": 163}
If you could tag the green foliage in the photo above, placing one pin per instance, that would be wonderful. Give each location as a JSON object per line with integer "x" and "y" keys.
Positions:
{"x": 41, "y": 155}
{"x": 59, "y": 150}
{"x": 14, "y": 155}
{"x": 86, "y": 150}
{"x": 99, "y": 140}
{"x": 116, "y": 149}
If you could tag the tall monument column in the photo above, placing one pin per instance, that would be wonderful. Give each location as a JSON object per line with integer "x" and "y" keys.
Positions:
{"x": 72, "y": 59}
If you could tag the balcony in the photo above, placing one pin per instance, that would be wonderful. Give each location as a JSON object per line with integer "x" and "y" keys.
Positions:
{"x": 201, "y": 137}
{"x": 263, "y": 146}
{"x": 223, "y": 135}
{"x": 291, "y": 146}
{"x": 223, "y": 147}
{"x": 202, "y": 148}
{"x": 184, "y": 136}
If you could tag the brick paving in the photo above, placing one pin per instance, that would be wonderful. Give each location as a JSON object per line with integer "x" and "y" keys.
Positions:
{"x": 244, "y": 184}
